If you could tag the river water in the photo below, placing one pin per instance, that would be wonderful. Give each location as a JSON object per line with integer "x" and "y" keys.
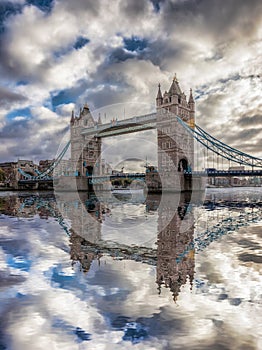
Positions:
{"x": 131, "y": 271}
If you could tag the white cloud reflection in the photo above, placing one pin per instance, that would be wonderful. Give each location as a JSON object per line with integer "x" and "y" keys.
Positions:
{"x": 52, "y": 299}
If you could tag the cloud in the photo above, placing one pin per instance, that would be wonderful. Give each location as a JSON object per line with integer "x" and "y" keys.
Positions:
{"x": 8, "y": 98}
{"x": 251, "y": 120}
{"x": 59, "y": 53}
{"x": 36, "y": 137}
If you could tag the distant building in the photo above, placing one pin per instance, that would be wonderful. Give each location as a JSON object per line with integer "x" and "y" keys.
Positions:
{"x": 153, "y": 180}
{"x": 14, "y": 171}
{"x": 44, "y": 165}
{"x": 64, "y": 168}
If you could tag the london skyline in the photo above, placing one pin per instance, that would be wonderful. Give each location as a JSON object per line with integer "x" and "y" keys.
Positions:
{"x": 58, "y": 55}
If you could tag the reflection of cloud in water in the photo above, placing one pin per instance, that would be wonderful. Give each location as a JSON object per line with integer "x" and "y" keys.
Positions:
{"x": 52, "y": 305}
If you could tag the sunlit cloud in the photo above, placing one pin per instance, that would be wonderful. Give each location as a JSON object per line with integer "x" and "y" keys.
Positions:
{"x": 58, "y": 56}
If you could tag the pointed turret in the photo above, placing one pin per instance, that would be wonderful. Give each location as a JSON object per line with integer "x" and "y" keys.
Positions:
{"x": 159, "y": 97}
{"x": 175, "y": 88}
{"x": 86, "y": 106}
{"x": 72, "y": 118}
{"x": 191, "y": 99}
{"x": 191, "y": 102}
{"x": 85, "y": 110}
{"x": 159, "y": 94}
{"x": 191, "y": 105}
{"x": 99, "y": 122}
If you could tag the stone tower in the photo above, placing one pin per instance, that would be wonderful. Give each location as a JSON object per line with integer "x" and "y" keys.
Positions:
{"x": 85, "y": 150}
{"x": 175, "y": 101}
{"x": 175, "y": 249}
{"x": 175, "y": 143}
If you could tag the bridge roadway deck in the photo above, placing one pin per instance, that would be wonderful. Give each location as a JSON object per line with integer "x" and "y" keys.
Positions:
{"x": 119, "y": 127}
{"x": 97, "y": 179}
{"x": 33, "y": 181}
{"x": 226, "y": 173}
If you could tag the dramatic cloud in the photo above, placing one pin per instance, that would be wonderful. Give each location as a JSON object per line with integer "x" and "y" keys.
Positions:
{"x": 8, "y": 97}
{"x": 57, "y": 55}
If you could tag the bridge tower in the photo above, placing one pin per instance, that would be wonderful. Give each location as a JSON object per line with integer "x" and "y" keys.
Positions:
{"x": 85, "y": 150}
{"x": 175, "y": 250}
{"x": 175, "y": 144}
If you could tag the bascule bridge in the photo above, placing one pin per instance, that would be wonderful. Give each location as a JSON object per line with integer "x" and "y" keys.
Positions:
{"x": 175, "y": 144}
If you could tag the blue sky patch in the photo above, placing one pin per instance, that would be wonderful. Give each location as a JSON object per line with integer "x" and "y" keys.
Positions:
{"x": 43, "y": 5}
{"x": 62, "y": 51}
{"x": 135, "y": 332}
{"x": 22, "y": 83}
{"x": 7, "y": 9}
{"x": 156, "y": 4}
{"x": 18, "y": 262}
{"x": 82, "y": 335}
{"x": 80, "y": 42}
{"x": 64, "y": 281}
{"x": 63, "y": 97}
{"x": 23, "y": 112}
{"x": 135, "y": 44}
{"x": 68, "y": 95}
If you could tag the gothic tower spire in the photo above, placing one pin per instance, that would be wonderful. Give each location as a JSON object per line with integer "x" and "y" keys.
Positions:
{"x": 159, "y": 97}
{"x": 191, "y": 105}
{"x": 72, "y": 118}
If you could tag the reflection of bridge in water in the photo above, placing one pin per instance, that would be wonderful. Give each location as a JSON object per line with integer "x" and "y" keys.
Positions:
{"x": 176, "y": 239}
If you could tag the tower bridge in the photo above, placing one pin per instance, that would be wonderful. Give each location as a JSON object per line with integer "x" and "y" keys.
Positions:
{"x": 177, "y": 132}
{"x": 178, "y": 137}
{"x": 175, "y": 144}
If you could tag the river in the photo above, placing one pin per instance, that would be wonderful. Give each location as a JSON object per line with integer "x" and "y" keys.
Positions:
{"x": 131, "y": 272}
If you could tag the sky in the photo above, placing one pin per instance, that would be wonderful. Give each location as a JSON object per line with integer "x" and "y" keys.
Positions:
{"x": 56, "y": 55}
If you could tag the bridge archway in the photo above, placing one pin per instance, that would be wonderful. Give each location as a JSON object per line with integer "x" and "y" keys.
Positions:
{"x": 186, "y": 179}
{"x": 89, "y": 170}
{"x": 183, "y": 165}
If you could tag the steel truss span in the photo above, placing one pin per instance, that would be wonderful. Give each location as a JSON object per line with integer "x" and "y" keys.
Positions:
{"x": 220, "y": 148}
{"x": 45, "y": 174}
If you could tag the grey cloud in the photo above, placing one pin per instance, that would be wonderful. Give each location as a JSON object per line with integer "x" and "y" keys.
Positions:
{"x": 27, "y": 152}
{"x": 42, "y": 148}
{"x": 19, "y": 129}
{"x": 119, "y": 55}
{"x": 254, "y": 149}
{"x": 250, "y": 120}
{"x": 160, "y": 51}
{"x": 13, "y": 69}
{"x": 78, "y": 6}
{"x": 8, "y": 97}
{"x": 24, "y": 138}
{"x": 107, "y": 96}
{"x": 239, "y": 139}
{"x": 182, "y": 24}
{"x": 233, "y": 18}
{"x": 208, "y": 106}
{"x": 134, "y": 8}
